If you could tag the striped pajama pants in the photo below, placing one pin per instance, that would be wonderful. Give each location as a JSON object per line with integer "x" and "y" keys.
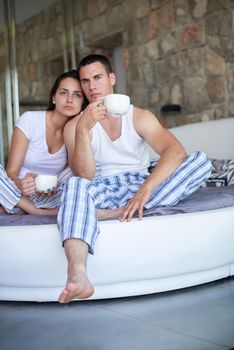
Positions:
{"x": 10, "y": 193}
{"x": 77, "y": 217}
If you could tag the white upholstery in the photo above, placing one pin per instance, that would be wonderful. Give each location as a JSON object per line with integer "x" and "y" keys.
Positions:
{"x": 156, "y": 254}
{"x": 215, "y": 138}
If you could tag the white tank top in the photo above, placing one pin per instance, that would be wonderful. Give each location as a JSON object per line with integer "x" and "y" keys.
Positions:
{"x": 127, "y": 153}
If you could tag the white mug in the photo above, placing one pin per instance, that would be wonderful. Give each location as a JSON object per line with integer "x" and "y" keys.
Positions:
{"x": 46, "y": 183}
{"x": 116, "y": 104}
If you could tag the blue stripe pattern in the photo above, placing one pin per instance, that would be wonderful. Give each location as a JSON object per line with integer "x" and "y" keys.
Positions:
{"x": 77, "y": 214}
{"x": 10, "y": 194}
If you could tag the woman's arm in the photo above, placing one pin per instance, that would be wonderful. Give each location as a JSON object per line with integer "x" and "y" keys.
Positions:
{"x": 18, "y": 149}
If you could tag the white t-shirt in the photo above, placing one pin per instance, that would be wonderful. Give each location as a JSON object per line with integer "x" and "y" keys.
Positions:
{"x": 38, "y": 159}
{"x": 128, "y": 153}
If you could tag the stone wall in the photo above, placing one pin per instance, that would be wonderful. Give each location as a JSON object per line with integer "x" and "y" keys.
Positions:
{"x": 40, "y": 60}
{"x": 176, "y": 52}
{"x": 39, "y": 55}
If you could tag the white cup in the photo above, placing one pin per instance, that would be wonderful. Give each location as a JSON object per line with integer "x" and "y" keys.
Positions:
{"x": 46, "y": 183}
{"x": 116, "y": 104}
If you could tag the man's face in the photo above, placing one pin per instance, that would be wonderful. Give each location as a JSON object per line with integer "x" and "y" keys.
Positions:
{"x": 95, "y": 81}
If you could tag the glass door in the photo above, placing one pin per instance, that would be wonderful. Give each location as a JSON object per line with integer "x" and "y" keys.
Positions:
{"x": 36, "y": 45}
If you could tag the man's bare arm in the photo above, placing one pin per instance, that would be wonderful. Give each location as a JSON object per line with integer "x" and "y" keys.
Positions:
{"x": 78, "y": 138}
{"x": 163, "y": 142}
{"x": 171, "y": 153}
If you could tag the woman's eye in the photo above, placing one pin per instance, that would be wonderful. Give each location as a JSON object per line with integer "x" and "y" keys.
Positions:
{"x": 63, "y": 93}
{"x": 78, "y": 95}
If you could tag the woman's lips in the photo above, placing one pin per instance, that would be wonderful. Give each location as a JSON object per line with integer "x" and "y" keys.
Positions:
{"x": 68, "y": 108}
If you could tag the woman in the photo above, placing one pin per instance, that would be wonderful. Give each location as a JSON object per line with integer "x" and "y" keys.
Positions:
{"x": 37, "y": 147}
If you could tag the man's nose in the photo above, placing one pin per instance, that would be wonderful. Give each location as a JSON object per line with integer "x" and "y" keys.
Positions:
{"x": 92, "y": 84}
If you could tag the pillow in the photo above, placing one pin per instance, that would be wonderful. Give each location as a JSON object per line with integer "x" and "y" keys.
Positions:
{"x": 222, "y": 173}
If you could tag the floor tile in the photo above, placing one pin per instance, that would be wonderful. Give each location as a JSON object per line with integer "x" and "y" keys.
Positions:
{"x": 199, "y": 318}
{"x": 205, "y": 312}
{"x": 83, "y": 327}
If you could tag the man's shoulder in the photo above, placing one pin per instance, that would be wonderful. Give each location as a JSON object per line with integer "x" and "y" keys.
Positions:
{"x": 145, "y": 122}
{"x": 139, "y": 113}
{"x": 137, "y": 109}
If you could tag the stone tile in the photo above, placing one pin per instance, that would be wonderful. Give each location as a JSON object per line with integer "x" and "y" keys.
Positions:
{"x": 205, "y": 312}
{"x": 81, "y": 326}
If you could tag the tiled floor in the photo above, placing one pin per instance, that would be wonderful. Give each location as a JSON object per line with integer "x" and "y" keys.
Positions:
{"x": 198, "y": 318}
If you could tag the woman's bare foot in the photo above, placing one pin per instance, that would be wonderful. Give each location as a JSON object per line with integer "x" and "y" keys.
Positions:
{"x": 21, "y": 212}
{"x": 2, "y": 210}
{"x": 79, "y": 289}
{"x": 28, "y": 207}
{"x": 104, "y": 214}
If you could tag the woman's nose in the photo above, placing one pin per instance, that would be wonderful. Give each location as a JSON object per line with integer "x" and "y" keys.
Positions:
{"x": 69, "y": 98}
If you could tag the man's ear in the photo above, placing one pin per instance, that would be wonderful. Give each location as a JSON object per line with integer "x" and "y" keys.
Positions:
{"x": 112, "y": 78}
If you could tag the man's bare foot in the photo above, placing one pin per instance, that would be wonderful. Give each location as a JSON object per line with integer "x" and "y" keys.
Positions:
{"x": 81, "y": 289}
{"x": 104, "y": 214}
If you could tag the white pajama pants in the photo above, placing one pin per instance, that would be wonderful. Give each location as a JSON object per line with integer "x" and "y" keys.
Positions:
{"x": 10, "y": 193}
{"x": 77, "y": 217}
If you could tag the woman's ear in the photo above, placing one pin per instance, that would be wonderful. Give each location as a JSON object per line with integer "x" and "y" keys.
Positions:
{"x": 112, "y": 78}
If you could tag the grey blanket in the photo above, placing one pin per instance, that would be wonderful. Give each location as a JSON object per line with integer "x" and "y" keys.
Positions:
{"x": 208, "y": 198}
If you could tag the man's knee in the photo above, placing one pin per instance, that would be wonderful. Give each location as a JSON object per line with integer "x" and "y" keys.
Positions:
{"x": 76, "y": 181}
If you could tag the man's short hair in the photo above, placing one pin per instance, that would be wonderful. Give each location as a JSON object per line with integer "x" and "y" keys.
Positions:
{"x": 96, "y": 58}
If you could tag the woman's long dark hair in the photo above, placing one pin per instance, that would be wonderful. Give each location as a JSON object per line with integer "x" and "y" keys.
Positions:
{"x": 70, "y": 74}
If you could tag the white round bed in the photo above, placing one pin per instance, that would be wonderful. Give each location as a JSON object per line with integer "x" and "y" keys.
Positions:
{"x": 159, "y": 253}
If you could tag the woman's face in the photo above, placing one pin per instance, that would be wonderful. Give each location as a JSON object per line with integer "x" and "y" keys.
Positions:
{"x": 69, "y": 97}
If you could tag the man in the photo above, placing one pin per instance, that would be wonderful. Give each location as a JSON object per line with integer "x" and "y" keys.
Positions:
{"x": 124, "y": 187}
